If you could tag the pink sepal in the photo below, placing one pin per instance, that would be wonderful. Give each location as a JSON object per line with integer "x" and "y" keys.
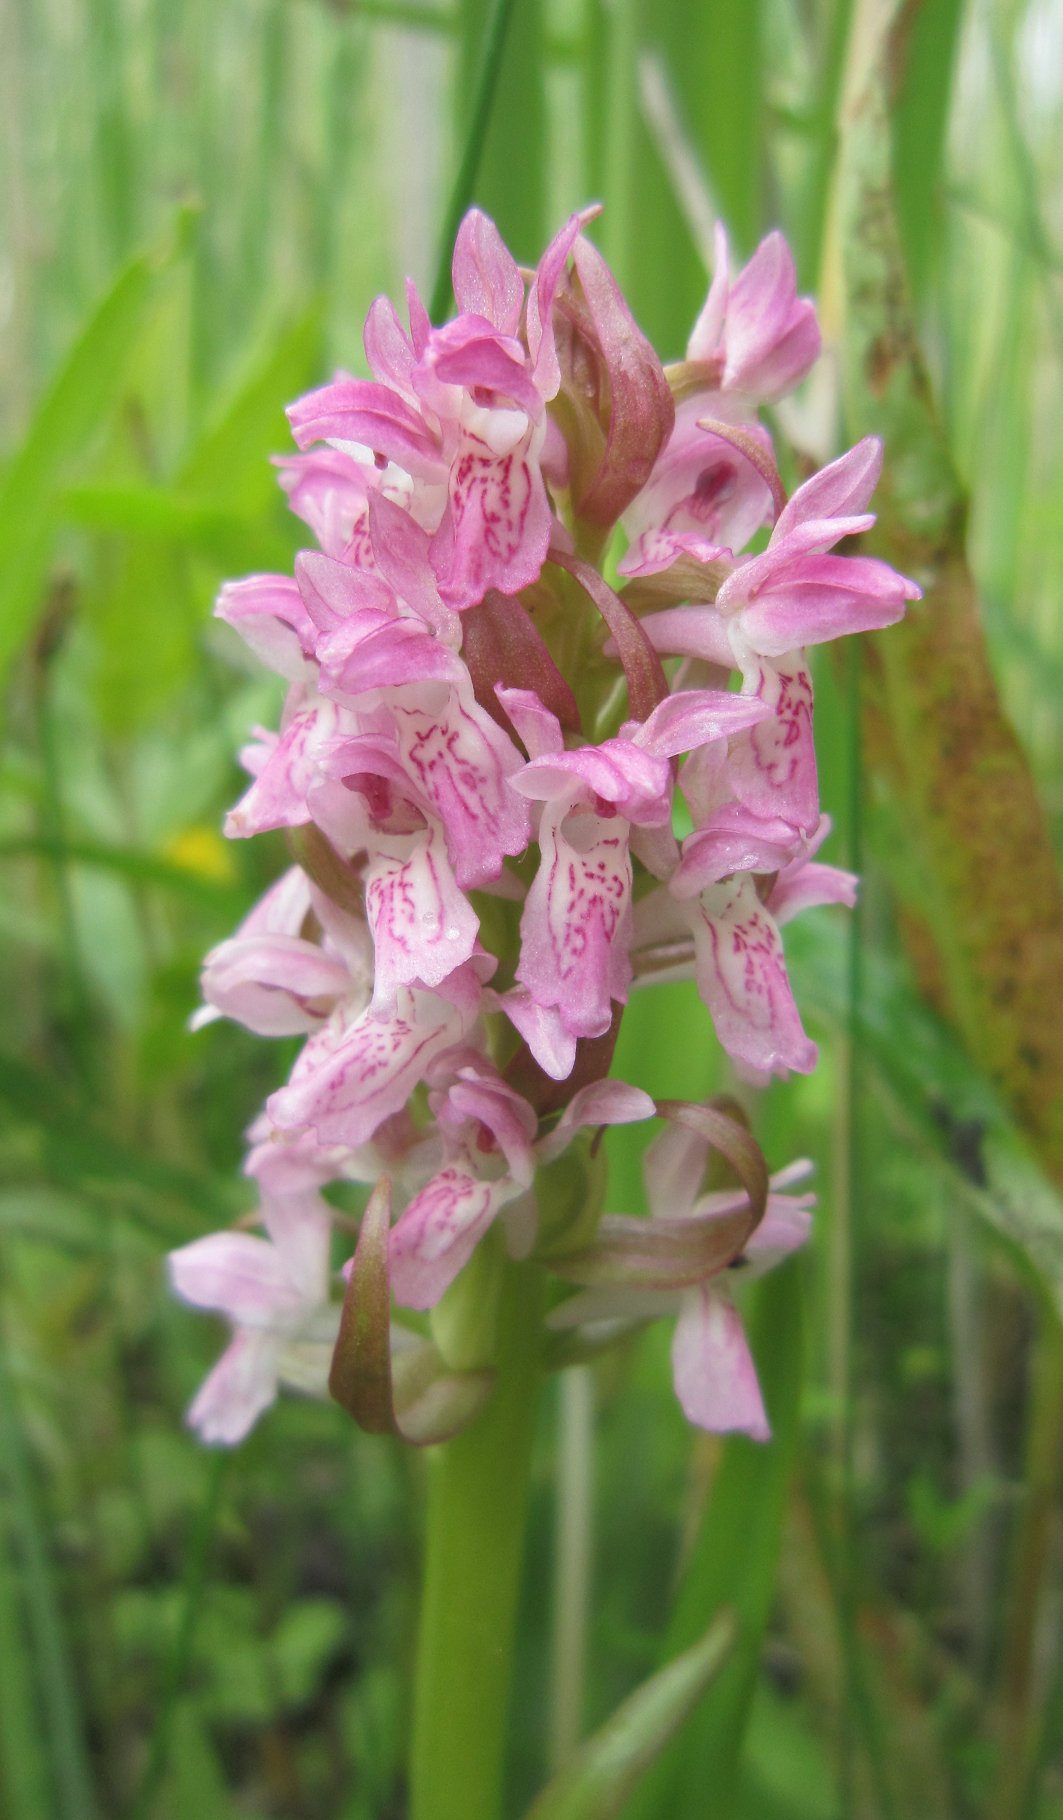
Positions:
{"x": 388, "y": 348}
{"x": 758, "y": 334}
{"x": 277, "y": 798}
{"x": 486, "y": 279}
{"x": 269, "y": 614}
{"x": 609, "y": 1102}
{"x": 546, "y": 370}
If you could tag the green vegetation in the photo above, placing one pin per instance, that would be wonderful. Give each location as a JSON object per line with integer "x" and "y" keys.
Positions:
{"x": 200, "y": 198}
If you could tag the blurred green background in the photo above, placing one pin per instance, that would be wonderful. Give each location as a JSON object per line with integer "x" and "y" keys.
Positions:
{"x": 199, "y": 200}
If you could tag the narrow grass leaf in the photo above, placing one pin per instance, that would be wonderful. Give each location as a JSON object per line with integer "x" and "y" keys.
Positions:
{"x": 608, "y": 1767}
{"x": 24, "y": 1781}
{"x": 57, "y": 1674}
{"x": 733, "y": 1564}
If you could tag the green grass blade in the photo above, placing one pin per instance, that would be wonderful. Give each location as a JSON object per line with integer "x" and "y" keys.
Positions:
{"x": 479, "y": 121}
{"x": 24, "y": 1782}
{"x": 57, "y": 1675}
{"x": 609, "y": 1765}
{"x": 920, "y": 115}
{"x": 717, "y": 56}
{"x": 511, "y": 189}
{"x": 733, "y": 1564}
{"x": 196, "y": 1562}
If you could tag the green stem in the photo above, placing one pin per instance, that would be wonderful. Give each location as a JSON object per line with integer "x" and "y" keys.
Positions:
{"x": 477, "y": 1491}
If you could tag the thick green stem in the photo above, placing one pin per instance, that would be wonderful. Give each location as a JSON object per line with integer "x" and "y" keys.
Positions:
{"x": 477, "y": 1493}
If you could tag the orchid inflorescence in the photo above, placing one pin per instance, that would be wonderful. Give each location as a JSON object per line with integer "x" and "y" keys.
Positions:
{"x": 484, "y": 757}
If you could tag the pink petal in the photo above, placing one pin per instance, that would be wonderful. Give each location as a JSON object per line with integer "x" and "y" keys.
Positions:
{"x": 732, "y": 840}
{"x": 470, "y": 354}
{"x": 825, "y": 597}
{"x": 715, "y": 1377}
{"x": 546, "y": 370}
{"x": 618, "y": 772}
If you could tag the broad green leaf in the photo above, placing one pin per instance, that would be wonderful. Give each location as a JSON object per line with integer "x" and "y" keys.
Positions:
{"x": 229, "y": 464}
{"x": 148, "y": 511}
{"x": 609, "y": 1765}
{"x": 87, "y": 386}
